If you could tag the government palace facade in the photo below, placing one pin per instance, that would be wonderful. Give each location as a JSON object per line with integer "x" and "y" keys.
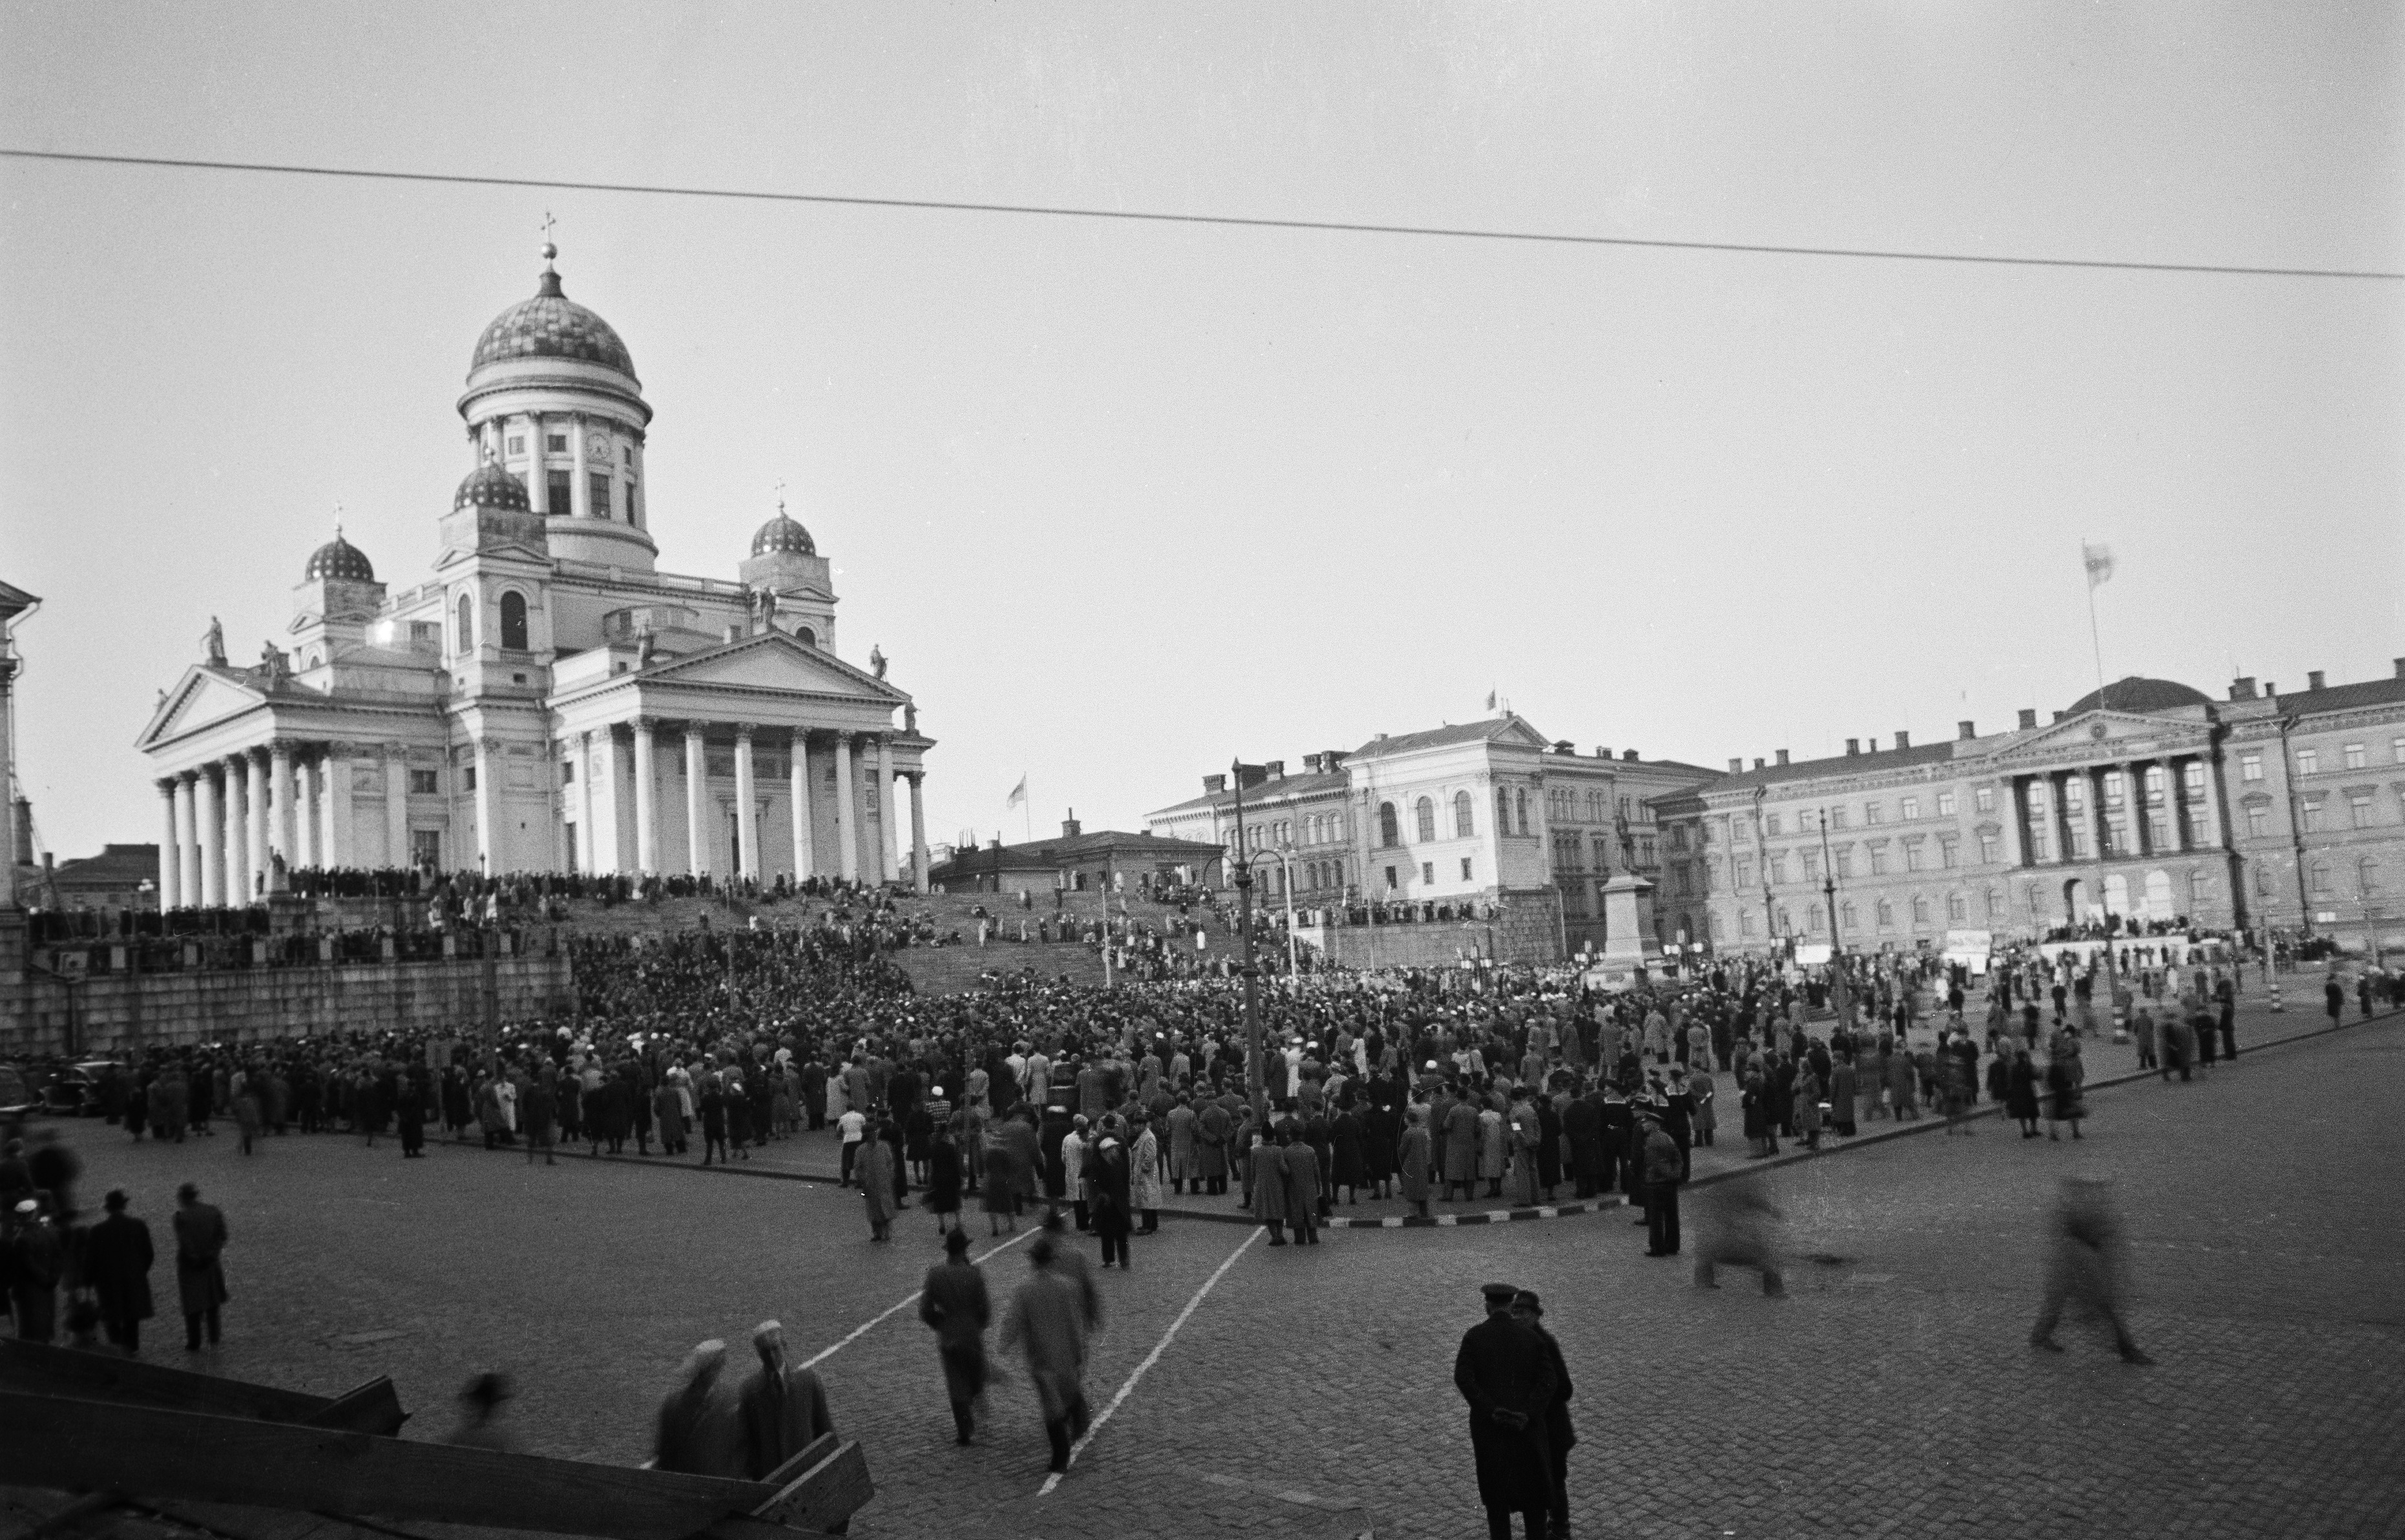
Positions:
{"x": 545, "y": 699}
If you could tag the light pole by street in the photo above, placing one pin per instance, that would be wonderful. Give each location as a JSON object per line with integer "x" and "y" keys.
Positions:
{"x": 1256, "y": 1087}
{"x": 1844, "y": 1001}
{"x": 2286, "y": 723}
{"x": 1762, "y": 854}
{"x": 1284, "y": 854}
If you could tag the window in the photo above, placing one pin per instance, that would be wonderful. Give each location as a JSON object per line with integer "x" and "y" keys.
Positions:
{"x": 467, "y": 778}
{"x": 1812, "y": 866}
{"x": 1686, "y": 880}
{"x": 1885, "y": 915}
{"x": 2311, "y": 815}
{"x": 517, "y": 443}
{"x": 1946, "y": 804}
{"x": 1919, "y": 909}
{"x": 2396, "y": 750}
{"x": 1983, "y": 799}
{"x": 2367, "y": 876}
{"x": 2309, "y": 762}
{"x": 598, "y": 490}
{"x": 1423, "y": 820}
{"x": 2074, "y": 794}
{"x": 2259, "y": 819}
{"x": 1871, "y": 814}
{"x": 2359, "y": 809}
{"x": 1679, "y": 836}
{"x": 1744, "y": 873}
{"x": 1624, "y": 802}
{"x": 1912, "y": 858}
{"x": 1770, "y": 824}
{"x": 1745, "y": 923}
{"x": 555, "y": 443}
{"x": 2318, "y": 874}
{"x": 2250, "y": 765}
{"x": 1837, "y": 817}
{"x": 567, "y": 772}
{"x": 1947, "y": 856}
{"x": 1911, "y": 809}
{"x": 1427, "y": 872}
{"x": 1786, "y": 923}
{"x": 1844, "y": 864}
{"x": 423, "y": 783}
{"x": 426, "y": 846}
{"x": 514, "y": 622}
{"x": 1520, "y": 798}
{"x": 1996, "y": 904}
{"x": 1879, "y": 861}
{"x": 1390, "y": 833}
{"x": 2355, "y": 756}
{"x": 1779, "y": 869}
{"x": 1645, "y": 856}
{"x": 1991, "y": 850}
{"x": 1464, "y": 869}
{"x": 1502, "y": 811}
{"x": 1391, "y": 883}
{"x": 1461, "y": 824}
{"x": 555, "y": 492}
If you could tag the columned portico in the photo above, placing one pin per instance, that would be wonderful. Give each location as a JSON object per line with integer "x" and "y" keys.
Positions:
{"x": 847, "y": 811}
{"x": 171, "y": 857}
{"x": 747, "y": 808}
{"x": 697, "y": 783}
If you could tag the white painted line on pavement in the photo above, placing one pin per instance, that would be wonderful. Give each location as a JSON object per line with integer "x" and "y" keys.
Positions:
{"x": 1151, "y": 1358}
{"x": 912, "y": 1298}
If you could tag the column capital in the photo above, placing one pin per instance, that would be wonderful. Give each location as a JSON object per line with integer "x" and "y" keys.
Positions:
{"x": 801, "y": 739}
{"x": 339, "y": 748}
{"x": 490, "y": 745}
{"x": 642, "y": 723}
{"x": 396, "y": 750}
{"x": 844, "y": 736}
{"x": 188, "y": 777}
{"x": 168, "y": 785}
{"x": 693, "y": 730}
{"x": 744, "y": 730}
{"x": 916, "y": 777}
{"x": 284, "y": 748}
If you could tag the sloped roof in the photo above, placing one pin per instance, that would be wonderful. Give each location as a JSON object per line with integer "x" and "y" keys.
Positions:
{"x": 2345, "y": 697}
{"x": 1309, "y": 782}
{"x": 1487, "y": 729}
{"x": 116, "y": 866}
{"x": 1839, "y": 765}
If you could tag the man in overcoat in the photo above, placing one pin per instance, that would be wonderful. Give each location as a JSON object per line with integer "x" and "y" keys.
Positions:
{"x": 117, "y": 1260}
{"x": 200, "y": 1273}
{"x": 1505, "y": 1373}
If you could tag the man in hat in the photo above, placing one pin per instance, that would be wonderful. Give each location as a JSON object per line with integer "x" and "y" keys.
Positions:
{"x": 35, "y": 1259}
{"x": 1505, "y": 1373}
{"x": 200, "y": 1272}
{"x": 784, "y": 1407}
{"x": 1663, "y": 1165}
{"x": 954, "y": 1302}
{"x": 1529, "y": 1312}
{"x": 117, "y": 1260}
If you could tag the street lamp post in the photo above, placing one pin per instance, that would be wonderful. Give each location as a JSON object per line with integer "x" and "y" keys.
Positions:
{"x": 1256, "y": 1086}
{"x": 1762, "y": 854}
{"x": 2286, "y": 723}
{"x": 1844, "y": 997}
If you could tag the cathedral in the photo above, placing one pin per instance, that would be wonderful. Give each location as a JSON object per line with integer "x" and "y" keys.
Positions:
{"x": 545, "y": 699}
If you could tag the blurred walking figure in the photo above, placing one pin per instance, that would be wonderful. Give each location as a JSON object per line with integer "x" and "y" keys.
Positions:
{"x": 2087, "y": 1266}
{"x": 1050, "y": 1317}
{"x": 1740, "y": 1225}
{"x": 480, "y": 1426}
{"x": 954, "y": 1301}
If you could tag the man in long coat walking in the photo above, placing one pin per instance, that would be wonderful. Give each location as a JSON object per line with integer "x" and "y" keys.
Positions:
{"x": 200, "y": 1273}
{"x": 1505, "y": 1373}
{"x": 952, "y": 1300}
{"x": 1048, "y": 1318}
{"x": 117, "y": 1260}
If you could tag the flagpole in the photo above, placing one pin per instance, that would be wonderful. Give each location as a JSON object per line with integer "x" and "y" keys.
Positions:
{"x": 2095, "y": 637}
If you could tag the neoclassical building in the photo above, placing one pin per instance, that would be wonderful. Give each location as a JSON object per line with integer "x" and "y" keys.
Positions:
{"x": 2147, "y": 800}
{"x": 546, "y": 699}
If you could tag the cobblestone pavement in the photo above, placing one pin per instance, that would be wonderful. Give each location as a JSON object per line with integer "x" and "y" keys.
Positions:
{"x": 1891, "y": 1392}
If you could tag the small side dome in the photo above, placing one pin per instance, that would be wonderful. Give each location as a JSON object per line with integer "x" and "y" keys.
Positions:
{"x": 782, "y": 535}
{"x": 490, "y": 486}
{"x": 339, "y": 558}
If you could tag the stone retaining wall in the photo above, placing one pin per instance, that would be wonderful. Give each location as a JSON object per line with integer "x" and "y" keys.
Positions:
{"x": 1527, "y": 927}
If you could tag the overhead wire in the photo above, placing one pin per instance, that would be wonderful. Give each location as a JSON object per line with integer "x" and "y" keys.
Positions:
{"x": 1223, "y": 220}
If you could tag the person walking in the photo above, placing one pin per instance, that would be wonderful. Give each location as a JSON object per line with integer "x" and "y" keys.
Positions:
{"x": 2087, "y": 1264}
{"x": 117, "y": 1262}
{"x": 1529, "y": 1312}
{"x": 200, "y": 1269}
{"x": 1106, "y": 1163}
{"x": 1143, "y": 1173}
{"x": 1048, "y": 1321}
{"x": 1302, "y": 1190}
{"x": 1738, "y": 1233}
{"x": 1269, "y": 1185}
{"x": 34, "y": 1260}
{"x": 784, "y": 1406}
{"x": 952, "y": 1303}
{"x": 1503, "y": 1371}
{"x": 1660, "y": 1155}
{"x": 693, "y": 1434}
{"x": 875, "y": 1169}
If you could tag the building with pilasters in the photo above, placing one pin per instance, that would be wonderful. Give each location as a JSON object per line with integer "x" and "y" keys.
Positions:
{"x": 2147, "y": 801}
{"x": 546, "y": 700}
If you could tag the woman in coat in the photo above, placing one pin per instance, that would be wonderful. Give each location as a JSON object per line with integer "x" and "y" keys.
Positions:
{"x": 1144, "y": 1183}
{"x": 1521, "y": 1141}
{"x": 875, "y": 1170}
{"x": 1411, "y": 1159}
{"x": 1494, "y": 1150}
{"x": 1213, "y": 1128}
{"x": 1381, "y": 1131}
{"x": 942, "y": 1175}
{"x": 1183, "y": 1166}
{"x": 1807, "y": 1106}
{"x": 2021, "y": 1091}
{"x": 1346, "y": 1167}
{"x": 1843, "y": 1092}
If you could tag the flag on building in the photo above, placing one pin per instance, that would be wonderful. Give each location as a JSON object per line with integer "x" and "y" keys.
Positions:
{"x": 1018, "y": 793}
{"x": 2099, "y": 560}
{"x": 1490, "y": 700}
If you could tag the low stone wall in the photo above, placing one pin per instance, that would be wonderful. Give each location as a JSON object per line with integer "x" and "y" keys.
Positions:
{"x": 41, "y": 1013}
{"x": 1527, "y": 927}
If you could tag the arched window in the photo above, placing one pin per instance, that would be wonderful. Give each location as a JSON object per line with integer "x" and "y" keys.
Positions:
{"x": 1461, "y": 820}
{"x": 1388, "y": 832}
{"x": 1503, "y": 810}
{"x": 1886, "y": 914}
{"x": 514, "y": 624}
{"x": 807, "y": 636}
{"x": 1919, "y": 909}
{"x": 464, "y": 639}
{"x": 1423, "y": 820}
{"x": 1520, "y": 798}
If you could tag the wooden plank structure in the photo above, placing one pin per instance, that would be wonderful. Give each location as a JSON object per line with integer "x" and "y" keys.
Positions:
{"x": 114, "y": 1431}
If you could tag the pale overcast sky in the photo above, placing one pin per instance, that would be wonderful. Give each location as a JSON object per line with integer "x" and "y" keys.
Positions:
{"x": 1122, "y": 502}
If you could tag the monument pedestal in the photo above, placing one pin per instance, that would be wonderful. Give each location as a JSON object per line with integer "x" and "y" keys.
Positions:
{"x": 1628, "y": 939}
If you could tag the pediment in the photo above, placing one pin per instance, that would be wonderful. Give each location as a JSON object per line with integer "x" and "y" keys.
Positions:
{"x": 204, "y": 695}
{"x": 2106, "y": 735}
{"x": 1519, "y": 731}
{"x": 774, "y": 661}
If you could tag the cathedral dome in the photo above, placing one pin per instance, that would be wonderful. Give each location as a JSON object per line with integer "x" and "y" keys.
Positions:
{"x": 782, "y": 535}
{"x": 490, "y": 486}
{"x": 551, "y": 325}
{"x": 339, "y": 558}
{"x": 2134, "y": 693}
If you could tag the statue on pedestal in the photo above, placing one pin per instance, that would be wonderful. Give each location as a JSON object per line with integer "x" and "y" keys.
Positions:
{"x": 212, "y": 640}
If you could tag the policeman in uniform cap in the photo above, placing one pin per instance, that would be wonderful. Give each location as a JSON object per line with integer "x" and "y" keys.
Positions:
{"x": 1506, "y": 1373}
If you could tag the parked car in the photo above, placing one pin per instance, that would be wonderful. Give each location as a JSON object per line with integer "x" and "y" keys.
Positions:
{"x": 17, "y": 1098}
{"x": 75, "y": 1091}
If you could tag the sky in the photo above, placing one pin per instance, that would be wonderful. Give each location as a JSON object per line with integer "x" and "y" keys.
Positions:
{"x": 1122, "y": 502}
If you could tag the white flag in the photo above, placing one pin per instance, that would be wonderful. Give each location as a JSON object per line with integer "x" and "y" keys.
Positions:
{"x": 2098, "y": 559}
{"x": 1018, "y": 793}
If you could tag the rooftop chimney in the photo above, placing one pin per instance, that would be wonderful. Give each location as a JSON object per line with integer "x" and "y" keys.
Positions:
{"x": 1757, "y": 763}
{"x": 1735, "y": 765}
{"x": 1214, "y": 785}
{"x": 1904, "y": 740}
{"x": 1069, "y": 828}
{"x": 2314, "y": 680}
{"x": 1782, "y": 756}
{"x": 1853, "y": 746}
{"x": 2243, "y": 687}
{"x": 2269, "y": 690}
{"x": 1628, "y": 755}
{"x": 2400, "y": 668}
{"x": 1603, "y": 753}
{"x": 1276, "y": 769}
{"x": 2059, "y": 715}
{"x": 1965, "y": 730}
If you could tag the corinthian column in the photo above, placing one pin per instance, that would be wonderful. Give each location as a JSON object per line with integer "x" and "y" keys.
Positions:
{"x": 918, "y": 833}
{"x": 847, "y": 811}
{"x": 647, "y": 811}
{"x": 888, "y": 828}
{"x": 696, "y": 770}
{"x": 282, "y": 840}
{"x": 187, "y": 843}
{"x": 208, "y": 824}
{"x": 171, "y": 856}
{"x": 238, "y": 792}
{"x": 798, "y": 788}
{"x": 747, "y": 811}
